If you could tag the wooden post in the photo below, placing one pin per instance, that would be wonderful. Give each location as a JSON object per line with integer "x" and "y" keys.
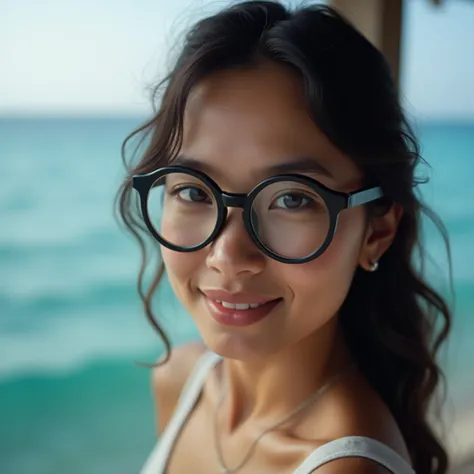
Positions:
{"x": 381, "y": 23}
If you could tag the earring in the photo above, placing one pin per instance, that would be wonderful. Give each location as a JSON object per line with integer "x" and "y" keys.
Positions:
{"x": 374, "y": 265}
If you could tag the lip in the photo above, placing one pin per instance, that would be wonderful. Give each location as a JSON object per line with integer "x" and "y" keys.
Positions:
{"x": 235, "y": 317}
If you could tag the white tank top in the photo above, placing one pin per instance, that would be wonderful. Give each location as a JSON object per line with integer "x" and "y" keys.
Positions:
{"x": 349, "y": 446}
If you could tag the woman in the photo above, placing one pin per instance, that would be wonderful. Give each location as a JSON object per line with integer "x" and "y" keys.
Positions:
{"x": 279, "y": 183}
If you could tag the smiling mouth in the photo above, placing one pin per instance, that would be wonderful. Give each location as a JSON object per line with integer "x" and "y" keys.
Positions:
{"x": 239, "y": 314}
{"x": 240, "y": 306}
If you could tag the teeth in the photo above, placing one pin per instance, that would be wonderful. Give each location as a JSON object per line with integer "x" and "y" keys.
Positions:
{"x": 240, "y": 306}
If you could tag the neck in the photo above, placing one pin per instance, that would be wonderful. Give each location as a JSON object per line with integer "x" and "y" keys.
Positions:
{"x": 268, "y": 390}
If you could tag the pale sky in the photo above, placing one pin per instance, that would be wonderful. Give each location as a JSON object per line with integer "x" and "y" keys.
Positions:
{"x": 99, "y": 56}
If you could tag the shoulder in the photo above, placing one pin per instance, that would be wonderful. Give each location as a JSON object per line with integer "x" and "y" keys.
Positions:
{"x": 353, "y": 408}
{"x": 168, "y": 379}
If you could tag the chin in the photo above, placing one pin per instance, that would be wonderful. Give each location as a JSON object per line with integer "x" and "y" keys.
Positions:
{"x": 250, "y": 341}
{"x": 232, "y": 345}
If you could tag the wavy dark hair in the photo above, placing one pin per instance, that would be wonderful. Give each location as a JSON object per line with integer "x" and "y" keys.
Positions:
{"x": 351, "y": 97}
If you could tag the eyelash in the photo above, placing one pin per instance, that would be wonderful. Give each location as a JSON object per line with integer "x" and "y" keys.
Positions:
{"x": 176, "y": 191}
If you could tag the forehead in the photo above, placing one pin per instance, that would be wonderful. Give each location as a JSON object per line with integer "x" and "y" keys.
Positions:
{"x": 239, "y": 123}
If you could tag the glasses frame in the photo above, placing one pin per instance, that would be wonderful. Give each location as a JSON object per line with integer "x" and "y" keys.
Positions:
{"x": 336, "y": 202}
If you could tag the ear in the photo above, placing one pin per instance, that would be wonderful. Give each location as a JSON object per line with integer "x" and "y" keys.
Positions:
{"x": 381, "y": 231}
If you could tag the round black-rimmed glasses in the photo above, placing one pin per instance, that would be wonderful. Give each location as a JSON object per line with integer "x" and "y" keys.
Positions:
{"x": 291, "y": 218}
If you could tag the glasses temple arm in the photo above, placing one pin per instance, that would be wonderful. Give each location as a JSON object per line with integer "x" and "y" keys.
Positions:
{"x": 363, "y": 197}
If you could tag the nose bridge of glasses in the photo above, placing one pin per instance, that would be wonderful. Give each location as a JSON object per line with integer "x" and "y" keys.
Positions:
{"x": 237, "y": 201}
{"x": 234, "y": 200}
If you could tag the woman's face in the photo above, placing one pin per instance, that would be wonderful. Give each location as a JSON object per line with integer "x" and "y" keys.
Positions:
{"x": 238, "y": 124}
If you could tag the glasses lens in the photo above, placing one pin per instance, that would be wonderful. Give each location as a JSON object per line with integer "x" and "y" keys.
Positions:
{"x": 182, "y": 209}
{"x": 290, "y": 219}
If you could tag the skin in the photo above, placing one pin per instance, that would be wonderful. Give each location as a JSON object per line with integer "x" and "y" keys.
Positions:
{"x": 238, "y": 124}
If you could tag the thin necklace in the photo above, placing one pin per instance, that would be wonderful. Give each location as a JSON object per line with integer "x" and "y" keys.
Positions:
{"x": 300, "y": 407}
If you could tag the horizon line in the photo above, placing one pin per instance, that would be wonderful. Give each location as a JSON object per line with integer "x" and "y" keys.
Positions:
{"x": 144, "y": 116}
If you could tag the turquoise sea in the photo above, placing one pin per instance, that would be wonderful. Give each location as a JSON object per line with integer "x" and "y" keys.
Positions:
{"x": 71, "y": 398}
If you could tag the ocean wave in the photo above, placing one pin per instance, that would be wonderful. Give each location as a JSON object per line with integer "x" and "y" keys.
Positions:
{"x": 50, "y": 295}
{"x": 66, "y": 345}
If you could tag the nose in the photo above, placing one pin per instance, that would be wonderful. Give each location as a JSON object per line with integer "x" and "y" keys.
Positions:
{"x": 233, "y": 253}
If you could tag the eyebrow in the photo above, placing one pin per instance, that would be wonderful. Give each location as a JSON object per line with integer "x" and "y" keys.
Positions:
{"x": 299, "y": 164}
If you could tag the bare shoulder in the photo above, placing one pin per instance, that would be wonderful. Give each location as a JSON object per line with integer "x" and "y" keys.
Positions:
{"x": 168, "y": 379}
{"x": 354, "y": 408}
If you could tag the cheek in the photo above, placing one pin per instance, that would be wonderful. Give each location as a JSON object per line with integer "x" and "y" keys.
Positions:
{"x": 180, "y": 268}
{"x": 324, "y": 282}
{"x": 342, "y": 255}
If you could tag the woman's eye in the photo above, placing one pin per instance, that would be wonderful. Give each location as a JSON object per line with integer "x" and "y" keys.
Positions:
{"x": 191, "y": 194}
{"x": 292, "y": 201}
